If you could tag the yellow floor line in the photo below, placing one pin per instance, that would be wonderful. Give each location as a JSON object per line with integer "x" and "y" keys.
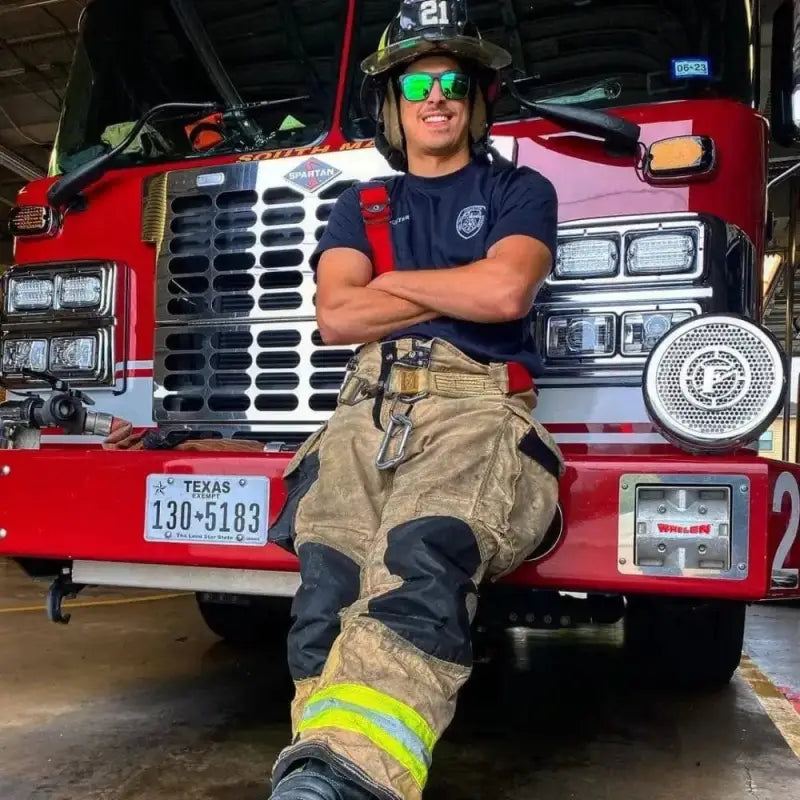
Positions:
{"x": 778, "y": 708}
{"x": 89, "y": 603}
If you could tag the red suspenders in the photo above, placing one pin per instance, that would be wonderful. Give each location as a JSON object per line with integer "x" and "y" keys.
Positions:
{"x": 519, "y": 379}
{"x": 376, "y": 213}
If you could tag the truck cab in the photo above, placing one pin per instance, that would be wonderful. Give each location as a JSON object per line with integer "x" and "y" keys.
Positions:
{"x": 161, "y": 270}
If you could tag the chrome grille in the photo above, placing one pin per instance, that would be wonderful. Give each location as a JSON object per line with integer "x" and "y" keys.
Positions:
{"x": 236, "y": 345}
{"x": 282, "y": 373}
{"x": 238, "y": 253}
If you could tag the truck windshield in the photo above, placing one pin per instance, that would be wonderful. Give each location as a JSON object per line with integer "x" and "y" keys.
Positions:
{"x": 135, "y": 54}
{"x": 603, "y": 53}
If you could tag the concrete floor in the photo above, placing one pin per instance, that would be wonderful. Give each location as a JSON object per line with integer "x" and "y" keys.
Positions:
{"x": 136, "y": 701}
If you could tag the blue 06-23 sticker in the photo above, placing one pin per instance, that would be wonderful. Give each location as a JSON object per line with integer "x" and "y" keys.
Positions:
{"x": 691, "y": 68}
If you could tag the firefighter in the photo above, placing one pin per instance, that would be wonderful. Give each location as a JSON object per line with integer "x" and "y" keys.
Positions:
{"x": 432, "y": 474}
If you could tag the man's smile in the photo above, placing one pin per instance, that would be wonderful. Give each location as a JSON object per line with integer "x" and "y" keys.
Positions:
{"x": 437, "y": 118}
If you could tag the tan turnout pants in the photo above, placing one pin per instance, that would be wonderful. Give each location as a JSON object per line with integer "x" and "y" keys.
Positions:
{"x": 391, "y": 558}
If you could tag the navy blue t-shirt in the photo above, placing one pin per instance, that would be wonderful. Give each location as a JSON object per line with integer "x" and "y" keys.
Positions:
{"x": 450, "y": 221}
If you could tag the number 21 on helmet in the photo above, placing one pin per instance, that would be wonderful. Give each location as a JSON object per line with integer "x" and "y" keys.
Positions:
{"x": 422, "y": 28}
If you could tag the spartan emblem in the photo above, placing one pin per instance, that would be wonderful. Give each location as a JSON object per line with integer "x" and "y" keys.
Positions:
{"x": 470, "y": 221}
{"x": 312, "y": 174}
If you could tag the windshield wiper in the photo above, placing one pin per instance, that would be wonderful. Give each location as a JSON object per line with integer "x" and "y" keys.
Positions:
{"x": 604, "y": 90}
{"x": 68, "y": 187}
{"x": 617, "y": 133}
{"x": 233, "y": 143}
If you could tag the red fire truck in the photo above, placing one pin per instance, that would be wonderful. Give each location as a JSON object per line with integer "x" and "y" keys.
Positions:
{"x": 161, "y": 274}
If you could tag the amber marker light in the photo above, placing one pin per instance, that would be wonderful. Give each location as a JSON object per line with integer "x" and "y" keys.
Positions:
{"x": 680, "y": 158}
{"x": 33, "y": 221}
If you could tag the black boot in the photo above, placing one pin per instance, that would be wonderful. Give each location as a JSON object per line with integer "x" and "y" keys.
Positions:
{"x": 316, "y": 780}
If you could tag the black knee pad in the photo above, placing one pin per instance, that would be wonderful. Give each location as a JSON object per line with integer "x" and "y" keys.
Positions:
{"x": 437, "y": 558}
{"x": 330, "y": 582}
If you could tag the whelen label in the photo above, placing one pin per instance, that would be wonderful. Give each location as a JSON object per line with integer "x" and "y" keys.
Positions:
{"x": 664, "y": 527}
{"x": 312, "y": 174}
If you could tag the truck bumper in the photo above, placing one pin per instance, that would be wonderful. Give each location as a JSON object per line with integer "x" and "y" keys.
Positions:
{"x": 88, "y": 507}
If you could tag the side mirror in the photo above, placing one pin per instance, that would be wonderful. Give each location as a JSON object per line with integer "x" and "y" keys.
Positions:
{"x": 785, "y": 74}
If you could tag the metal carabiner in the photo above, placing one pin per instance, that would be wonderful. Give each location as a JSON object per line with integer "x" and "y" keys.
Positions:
{"x": 397, "y": 422}
{"x": 412, "y": 399}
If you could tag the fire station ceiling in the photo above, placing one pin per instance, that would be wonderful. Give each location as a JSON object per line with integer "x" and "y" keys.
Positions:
{"x": 37, "y": 40}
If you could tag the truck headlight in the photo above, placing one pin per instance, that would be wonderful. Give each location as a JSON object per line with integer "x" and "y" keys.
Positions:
{"x": 80, "y": 291}
{"x": 587, "y": 258}
{"x": 659, "y": 253}
{"x": 73, "y": 354}
{"x": 61, "y": 291}
{"x": 641, "y": 330}
{"x": 30, "y": 294}
{"x": 714, "y": 383}
{"x": 580, "y": 335}
{"x": 20, "y": 354}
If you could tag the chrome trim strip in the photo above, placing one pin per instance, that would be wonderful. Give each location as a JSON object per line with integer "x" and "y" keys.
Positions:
{"x": 190, "y": 579}
{"x": 619, "y": 295}
{"x": 633, "y": 219}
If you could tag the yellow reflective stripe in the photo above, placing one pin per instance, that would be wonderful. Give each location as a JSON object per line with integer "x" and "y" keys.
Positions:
{"x": 378, "y": 701}
{"x": 390, "y": 725}
{"x": 356, "y": 723}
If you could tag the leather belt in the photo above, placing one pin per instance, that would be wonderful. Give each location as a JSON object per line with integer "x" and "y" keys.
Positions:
{"x": 405, "y": 381}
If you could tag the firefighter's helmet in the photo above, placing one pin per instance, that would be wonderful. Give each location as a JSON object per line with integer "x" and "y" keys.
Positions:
{"x": 422, "y": 28}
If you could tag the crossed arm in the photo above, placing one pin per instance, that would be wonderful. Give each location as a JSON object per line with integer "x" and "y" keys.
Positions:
{"x": 354, "y": 307}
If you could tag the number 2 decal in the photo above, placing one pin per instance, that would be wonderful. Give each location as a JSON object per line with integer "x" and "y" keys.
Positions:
{"x": 433, "y": 12}
{"x": 781, "y": 574}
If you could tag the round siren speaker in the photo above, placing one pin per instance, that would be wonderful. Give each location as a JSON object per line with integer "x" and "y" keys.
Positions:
{"x": 714, "y": 383}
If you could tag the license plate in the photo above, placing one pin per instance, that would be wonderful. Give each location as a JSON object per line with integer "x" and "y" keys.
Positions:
{"x": 207, "y": 509}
